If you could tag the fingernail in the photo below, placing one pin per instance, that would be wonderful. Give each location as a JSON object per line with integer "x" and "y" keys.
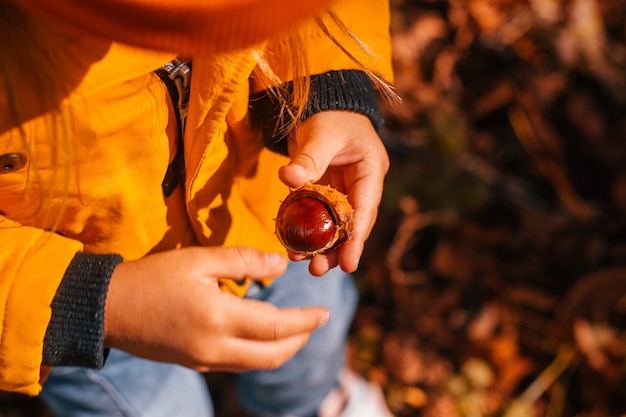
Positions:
{"x": 324, "y": 319}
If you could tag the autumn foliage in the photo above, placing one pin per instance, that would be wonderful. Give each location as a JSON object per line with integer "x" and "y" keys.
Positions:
{"x": 495, "y": 281}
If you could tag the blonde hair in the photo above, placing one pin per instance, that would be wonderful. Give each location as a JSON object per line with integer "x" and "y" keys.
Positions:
{"x": 293, "y": 102}
{"x": 31, "y": 71}
{"x": 32, "y": 64}
{"x": 34, "y": 70}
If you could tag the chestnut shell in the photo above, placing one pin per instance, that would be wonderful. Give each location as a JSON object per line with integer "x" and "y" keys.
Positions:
{"x": 314, "y": 219}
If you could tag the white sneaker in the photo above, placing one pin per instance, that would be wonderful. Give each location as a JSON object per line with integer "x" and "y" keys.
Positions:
{"x": 355, "y": 397}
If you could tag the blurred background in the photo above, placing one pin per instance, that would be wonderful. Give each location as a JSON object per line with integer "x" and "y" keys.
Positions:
{"x": 494, "y": 283}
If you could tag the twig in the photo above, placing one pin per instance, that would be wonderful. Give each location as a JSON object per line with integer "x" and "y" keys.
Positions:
{"x": 404, "y": 237}
{"x": 522, "y": 405}
{"x": 548, "y": 167}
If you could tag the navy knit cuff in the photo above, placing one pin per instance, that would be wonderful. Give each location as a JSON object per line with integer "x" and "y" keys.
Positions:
{"x": 333, "y": 90}
{"x": 75, "y": 334}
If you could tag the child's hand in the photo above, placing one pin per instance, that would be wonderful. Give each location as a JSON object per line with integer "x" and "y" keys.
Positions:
{"x": 341, "y": 149}
{"x": 169, "y": 307}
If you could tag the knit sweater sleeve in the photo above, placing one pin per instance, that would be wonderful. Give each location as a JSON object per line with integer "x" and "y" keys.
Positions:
{"x": 334, "y": 90}
{"x": 75, "y": 334}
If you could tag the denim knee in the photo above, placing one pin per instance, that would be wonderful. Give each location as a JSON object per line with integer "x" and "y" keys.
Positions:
{"x": 298, "y": 387}
{"x": 127, "y": 386}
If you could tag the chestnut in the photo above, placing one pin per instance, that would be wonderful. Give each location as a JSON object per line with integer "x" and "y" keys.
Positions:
{"x": 314, "y": 219}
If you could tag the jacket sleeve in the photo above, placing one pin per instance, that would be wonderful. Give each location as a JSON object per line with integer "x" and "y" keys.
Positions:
{"x": 75, "y": 334}
{"x": 335, "y": 61}
{"x": 366, "y": 20}
{"x": 33, "y": 264}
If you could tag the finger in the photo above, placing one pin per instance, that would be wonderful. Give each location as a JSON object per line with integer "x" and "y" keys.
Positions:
{"x": 244, "y": 354}
{"x": 350, "y": 255}
{"x": 365, "y": 195}
{"x": 236, "y": 262}
{"x": 263, "y": 321}
{"x": 321, "y": 264}
{"x": 296, "y": 256}
{"x": 365, "y": 213}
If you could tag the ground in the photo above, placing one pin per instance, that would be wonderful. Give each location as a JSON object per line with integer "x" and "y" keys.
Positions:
{"x": 495, "y": 281}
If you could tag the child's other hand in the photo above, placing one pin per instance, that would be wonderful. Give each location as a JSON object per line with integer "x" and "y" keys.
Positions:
{"x": 342, "y": 149}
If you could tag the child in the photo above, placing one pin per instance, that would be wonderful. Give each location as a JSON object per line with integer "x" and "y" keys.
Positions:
{"x": 138, "y": 221}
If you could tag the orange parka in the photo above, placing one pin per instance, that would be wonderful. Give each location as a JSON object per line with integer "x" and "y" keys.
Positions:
{"x": 96, "y": 188}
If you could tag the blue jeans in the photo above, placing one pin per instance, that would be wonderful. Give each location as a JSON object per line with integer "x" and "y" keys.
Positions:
{"x": 132, "y": 387}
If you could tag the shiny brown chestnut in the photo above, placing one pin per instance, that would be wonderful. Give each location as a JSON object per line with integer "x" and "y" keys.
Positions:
{"x": 314, "y": 219}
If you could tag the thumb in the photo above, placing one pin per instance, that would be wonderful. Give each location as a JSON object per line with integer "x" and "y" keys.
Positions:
{"x": 298, "y": 172}
{"x": 308, "y": 163}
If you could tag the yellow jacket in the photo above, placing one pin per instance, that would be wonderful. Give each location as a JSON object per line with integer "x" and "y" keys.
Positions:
{"x": 100, "y": 191}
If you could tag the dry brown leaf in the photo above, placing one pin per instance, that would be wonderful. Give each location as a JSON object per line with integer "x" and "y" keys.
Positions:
{"x": 486, "y": 323}
{"x": 415, "y": 397}
{"x": 404, "y": 358}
